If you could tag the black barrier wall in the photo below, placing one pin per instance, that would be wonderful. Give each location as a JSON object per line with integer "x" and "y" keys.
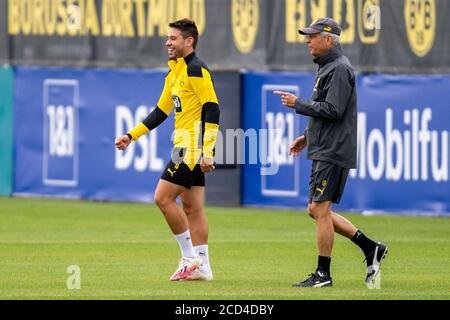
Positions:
{"x": 224, "y": 185}
{"x": 378, "y": 35}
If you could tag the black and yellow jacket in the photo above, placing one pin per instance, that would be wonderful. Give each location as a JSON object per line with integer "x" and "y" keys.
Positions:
{"x": 188, "y": 89}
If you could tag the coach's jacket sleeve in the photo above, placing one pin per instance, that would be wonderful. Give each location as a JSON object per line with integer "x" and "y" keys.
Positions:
{"x": 203, "y": 86}
{"x": 339, "y": 87}
{"x": 158, "y": 115}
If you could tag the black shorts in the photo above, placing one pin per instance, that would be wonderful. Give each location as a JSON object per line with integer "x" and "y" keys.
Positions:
{"x": 327, "y": 182}
{"x": 181, "y": 175}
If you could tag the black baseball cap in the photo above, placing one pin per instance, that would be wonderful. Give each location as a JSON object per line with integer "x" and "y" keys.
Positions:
{"x": 322, "y": 24}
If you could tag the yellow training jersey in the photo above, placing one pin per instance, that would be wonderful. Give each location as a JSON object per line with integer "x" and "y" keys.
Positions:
{"x": 189, "y": 90}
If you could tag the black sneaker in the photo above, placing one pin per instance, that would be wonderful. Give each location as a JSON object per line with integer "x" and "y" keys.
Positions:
{"x": 317, "y": 279}
{"x": 374, "y": 261}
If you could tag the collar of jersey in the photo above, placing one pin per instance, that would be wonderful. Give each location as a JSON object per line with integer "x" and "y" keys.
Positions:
{"x": 179, "y": 62}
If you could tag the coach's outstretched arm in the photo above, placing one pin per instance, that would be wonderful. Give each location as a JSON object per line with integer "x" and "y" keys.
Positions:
{"x": 338, "y": 96}
{"x": 335, "y": 104}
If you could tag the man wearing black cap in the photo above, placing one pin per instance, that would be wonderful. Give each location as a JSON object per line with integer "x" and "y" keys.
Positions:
{"x": 331, "y": 141}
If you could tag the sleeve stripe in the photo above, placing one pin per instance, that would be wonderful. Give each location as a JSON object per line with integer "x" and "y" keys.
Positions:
{"x": 155, "y": 118}
{"x": 212, "y": 112}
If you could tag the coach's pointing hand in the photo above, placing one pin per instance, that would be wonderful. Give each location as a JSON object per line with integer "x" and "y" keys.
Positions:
{"x": 122, "y": 142}
{"x": 287, "y": 99}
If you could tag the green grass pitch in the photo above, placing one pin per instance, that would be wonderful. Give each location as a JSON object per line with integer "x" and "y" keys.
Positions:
{"x": 126, "y": 251}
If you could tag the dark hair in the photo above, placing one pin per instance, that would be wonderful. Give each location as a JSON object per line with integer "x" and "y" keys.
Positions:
{"x": 187, "y": 28}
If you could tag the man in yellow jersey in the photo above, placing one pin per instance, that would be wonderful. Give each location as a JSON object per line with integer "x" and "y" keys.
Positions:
{"x": 189, "y": 90}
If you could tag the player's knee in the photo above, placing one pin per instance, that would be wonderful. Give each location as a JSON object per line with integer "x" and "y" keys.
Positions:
{"x": 319, "y": 212}
{"x": 188, "y": 208}
{"x": 161, "y": 200}
{"x": 310, "y": 212}
{"x": 192, "y": 210}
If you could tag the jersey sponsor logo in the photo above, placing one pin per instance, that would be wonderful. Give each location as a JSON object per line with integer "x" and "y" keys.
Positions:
{"x": 177, "y": 103}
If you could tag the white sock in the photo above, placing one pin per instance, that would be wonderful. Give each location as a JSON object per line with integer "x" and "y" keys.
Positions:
{"x": 202, "y": 252}
{"x": 185, "y": 243}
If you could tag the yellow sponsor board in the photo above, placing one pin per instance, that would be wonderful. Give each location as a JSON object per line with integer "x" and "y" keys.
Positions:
{"x": 295, "y": 18}
{"x": 420, "y": 24}
{"x": 245, "y": 23}
{"x": 360, "y": 17}
{"x": 108, "y": 18}
{"x": 369, "y": 21}
{"x": 344, "y": 14}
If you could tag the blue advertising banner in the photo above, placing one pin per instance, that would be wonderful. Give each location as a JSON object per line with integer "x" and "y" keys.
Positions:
{"x": 66, "y": 121}
{"x": 6, "y": 130}
{"x": 403, "y": 144}
{"x": 270, "y": 176}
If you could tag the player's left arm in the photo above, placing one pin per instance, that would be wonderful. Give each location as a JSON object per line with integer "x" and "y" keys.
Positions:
{"x": 339, "y": 89}
{"x": 158, "y": 115}
{"x": 203, "y": 86}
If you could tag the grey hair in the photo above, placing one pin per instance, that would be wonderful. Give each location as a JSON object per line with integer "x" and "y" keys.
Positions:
{"x": 334, "y": 37}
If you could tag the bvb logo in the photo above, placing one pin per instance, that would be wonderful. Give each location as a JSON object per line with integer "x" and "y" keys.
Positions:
{"x": 244, "y": 21}
{"x": 420, "y": 19}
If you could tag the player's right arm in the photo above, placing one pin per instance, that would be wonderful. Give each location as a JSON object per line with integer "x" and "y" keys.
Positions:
{"x": 154, "y": 119}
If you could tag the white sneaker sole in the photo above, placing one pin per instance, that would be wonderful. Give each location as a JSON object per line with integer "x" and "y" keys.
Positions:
{"x": 323, "y": 284}
{"x": 199, "y": 276}
{"x": 189, "y": 269}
